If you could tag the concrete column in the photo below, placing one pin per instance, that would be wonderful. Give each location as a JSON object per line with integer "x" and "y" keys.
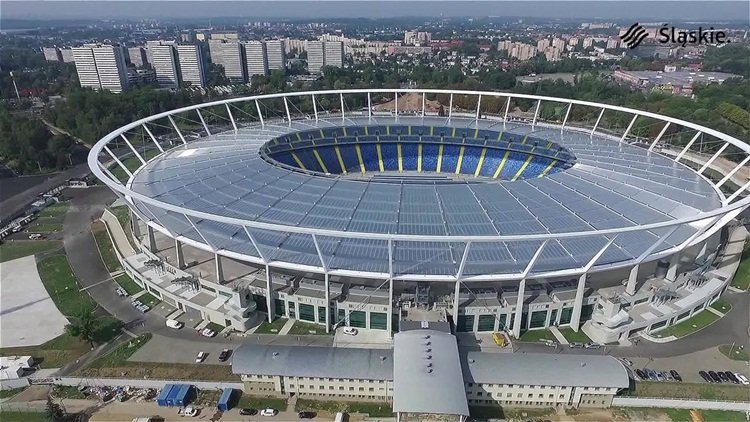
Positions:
{"x": 632, "y": 279}
{"x": 179, "y": 254}
{"x": 389, "y": 319}
{"x": 219, "y": 269}
{"x": 519, "y": 309}
{"x": 674, "y": 261}
{"x": 456, "y": 298}
{"x": 134, "y": 225}
{"x": 151, "y": 239}
{"x": 575, "y": 319}
{"x": 328, "y": 302}
{"x": 269, "y": 294}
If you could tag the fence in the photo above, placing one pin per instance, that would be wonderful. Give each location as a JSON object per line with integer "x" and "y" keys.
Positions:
{"x": 681, "y": 403}
{"x": 138, "y": 383}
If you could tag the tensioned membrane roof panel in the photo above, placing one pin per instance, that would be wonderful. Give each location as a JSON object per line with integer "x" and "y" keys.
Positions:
{"x": 611, "y": 185}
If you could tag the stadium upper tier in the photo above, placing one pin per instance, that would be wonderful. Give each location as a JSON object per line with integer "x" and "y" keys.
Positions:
{"x": 478, "y": 180}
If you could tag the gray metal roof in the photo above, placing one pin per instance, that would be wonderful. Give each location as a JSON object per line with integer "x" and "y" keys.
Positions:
{"x": 311, "y": 361}
{"x": 543, "y": 369}
{"x": 612, "y": 185}
{"x": 427, "y": 374}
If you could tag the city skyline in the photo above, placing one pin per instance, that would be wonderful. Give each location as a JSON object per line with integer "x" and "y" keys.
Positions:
{"x": 683, "y": 11}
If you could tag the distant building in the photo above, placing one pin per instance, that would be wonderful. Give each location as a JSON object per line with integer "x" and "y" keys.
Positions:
{"x": 228, "y": 55}
{"x": 192, "y": 67}
{"x": 408, "y": 49}
{"x": 225, "y": 36}
{"x": 101, "y": 67}
{"x": 164, "y": 62}
{"x": 275, "y": 55}
{"x": 67, "y": 55}
{"x": 334, "y": 53}
{"x": 140, "y": 77}
{"x": 256, "y": 58}
{"x": 671, "y": 81}
{"x": 137, "y": 56}
{"x": 613, "y": 43}
{"x": 417, "y": 38}
{"x": 542, "y": 44}
{"x": 292, "y": 44}
{"x": 52, "y": 54}
{"x": 315, "y": 56}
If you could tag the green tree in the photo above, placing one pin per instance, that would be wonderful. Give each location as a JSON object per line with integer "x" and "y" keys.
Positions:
{"x": 53, "y": 412}
{"x": 84, "y": 326}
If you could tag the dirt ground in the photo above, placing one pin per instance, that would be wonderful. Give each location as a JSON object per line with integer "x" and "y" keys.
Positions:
{"x": 409, "y": 102}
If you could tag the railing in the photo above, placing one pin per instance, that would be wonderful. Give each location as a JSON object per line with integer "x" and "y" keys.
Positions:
{"x": 229, "y": 110}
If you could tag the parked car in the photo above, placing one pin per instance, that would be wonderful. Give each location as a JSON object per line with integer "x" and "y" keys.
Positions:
{"x": 576, "y": 345}
{"x": 350, "y": 331}
{"x": 200, "y": 357}
{"x": 723, "y": 376}
{"x": 660, "y": 376}
{"x": 224, "y": 355}
{"x": 651, "y": 374}
{"x": 173, "y": 323}
{"x": 641, "y": 374}
{"x": 714, "y": 376}
{"x": 731, "y": 377}
{"x": 207, "y": 332}
{"x": 705, "y": 376}
{"x": 675, "y": 375}
{"x": 667, "y": 376}
{"x": 742, "y": 379}
{"x": 188, "y": 411}
{"x": 593, "y": 345}
{"x": 248, "y": 411}
{"x": 36, "y": 236}
{"x": 269, "y": 412}
{"x": 306, "y": 415}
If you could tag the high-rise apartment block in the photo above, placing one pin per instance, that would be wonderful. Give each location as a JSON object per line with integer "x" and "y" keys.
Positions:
{"x": 334, "y": 53}
{"x": 164, "y": 62}
{"x": 52, "y": 54}
{"x": 275, "y": 55}
{"x": 101, "y": 67}
{"x": 256, "y": 58}
{"x": 137, "y": 56}
{"x": 192, "y": 68}
{"x": 229, "y": 55}
{"x": 67, "y": 55}
{"x": 315, "y": 56}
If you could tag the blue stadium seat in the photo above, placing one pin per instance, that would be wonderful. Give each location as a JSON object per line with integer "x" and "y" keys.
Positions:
{"x": 429, "y": 156}
{"x": 492, "y": 159}
{"x": 471, "y": 159}
{"x": 328, "y": 155}
{"x": 308, "y": 159}
{"x": 349, "y": 155}
{"x": 409, "y": 138}
{"x": 512, "y": 165}
{"x": 409, "y": 153}
{"x": 399, "y": 130}
{"x": 390, "y": 156}
{"x": 450, "y": 158}
{"x": 535, "y": 167}
{"x": 370, "y": 157}
{"x": 285, "y": 158}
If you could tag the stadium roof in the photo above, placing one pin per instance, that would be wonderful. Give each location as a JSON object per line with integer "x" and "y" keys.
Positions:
{"x": 310, "y": 361}
{"x": 543, "y": 369}
{"x": 612, "y": 185}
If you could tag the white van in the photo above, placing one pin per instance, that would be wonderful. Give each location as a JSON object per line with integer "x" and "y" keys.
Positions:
{"x": 173, "y": 323}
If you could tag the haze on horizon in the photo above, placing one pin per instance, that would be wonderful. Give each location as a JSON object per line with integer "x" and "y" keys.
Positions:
{"x": 206, "y": 9}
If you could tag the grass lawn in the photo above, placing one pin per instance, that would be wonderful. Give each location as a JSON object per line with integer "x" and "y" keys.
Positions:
{"x": 737, "y": 353}
{"x": 109, "y": 257}
{"x": 678, "y": 415}
{"x": 4, "y": 394}
{"x": 535, "y": 336}
{"x": 573, "y": 337}
{"x": 128, "y": 284}
{"x": 54, "y": 210}
{"x": 259, "y": 402}
{"x": 45, "y": 225}
{"x": 272, "y": 328}
{"x": 24, "y": 416}
{"x": 722, "y": 305}
{"x": 682, "y": 390}
{"x": 52, "y": 354}
{"x": 67, "y": 392}
{"x": 13, "y": 249}
{"x": 176, "y": 371}
{"x": 332, "y": 407}
{"x": 303, "y": 328}
{"x": 149, "y": 299}
{"x": 741, "y": 278}
{"x": 62, "y": 285}
{"x": 121, "y": 353}
{"x": 694, "y": 323}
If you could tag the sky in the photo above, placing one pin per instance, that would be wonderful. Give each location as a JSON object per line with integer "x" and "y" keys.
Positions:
{"x": 611, "y": 9}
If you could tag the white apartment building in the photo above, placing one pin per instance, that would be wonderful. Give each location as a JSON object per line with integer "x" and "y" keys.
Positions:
{"x": 256, "y": 58}
{"x": 110, "y": 65}
{"x": 52, "y": 54}
{"x": 229, "y": 56}
{"x": 334, "y": 53}
{"x": 275, "y": 55}
{"x": 67, "y": 55}
{"x": 137, "y": 56}
{"x": 164, "y": 62}
{"x": 192, "y": 67}
{"x": 292, "y": 44}
{"x": 86, "y": 67}
{"x": 315, "y": 56}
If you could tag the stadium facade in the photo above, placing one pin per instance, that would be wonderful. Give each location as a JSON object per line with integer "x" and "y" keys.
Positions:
{"x": 486, "y": 217}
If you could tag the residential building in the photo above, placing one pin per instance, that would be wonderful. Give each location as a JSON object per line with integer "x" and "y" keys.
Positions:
{"x": 88, "y": 76}
{"x": 334, "y": 53}
{"x": 192, "y": 68}
{"x": 137, "y": 56}
{"x": 315, "y": 56}
{"x": 542, "y": 44}
{"x": 256, "y": 58}
{"x": 275, "y": 55}
{"x": 164, "y": 62}
{"x": 111, "y": 68}
{"x": 613, "y": 43}
{"x": 292, "y": 44}
{"x": 52, "y": 54}
{"x": 228, "y": 54}
{"x": 67, "y": 55}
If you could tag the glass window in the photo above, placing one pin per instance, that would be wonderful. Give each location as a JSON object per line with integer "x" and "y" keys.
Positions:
{"x": 306, "y": 312}
{"x": 465, "y": 323}
{"x": 378, "y": 320}
{"x": 486, "y": 323}
{"x": 538, "y": 319}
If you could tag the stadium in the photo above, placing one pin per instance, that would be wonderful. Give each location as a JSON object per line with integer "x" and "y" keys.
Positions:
{"x": 485, "y": 210}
